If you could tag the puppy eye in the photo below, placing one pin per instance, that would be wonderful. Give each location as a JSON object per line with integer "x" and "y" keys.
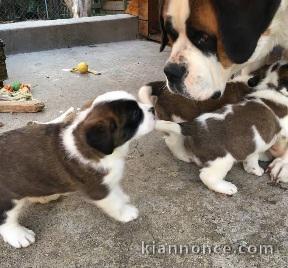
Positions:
{"x": 254, "y": 81}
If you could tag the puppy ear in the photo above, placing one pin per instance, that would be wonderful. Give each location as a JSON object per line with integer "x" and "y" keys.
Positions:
{"x": 164, "y": 36}
{"x": 241, "y": 24}
{"x": 254, "y": 81}
{"x": 101, "y": 136}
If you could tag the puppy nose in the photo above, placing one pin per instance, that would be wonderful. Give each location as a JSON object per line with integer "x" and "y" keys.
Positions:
{"x": 152, "y": 110}
{"x": 216, "y": 95}
{"x": 175, "y": 72}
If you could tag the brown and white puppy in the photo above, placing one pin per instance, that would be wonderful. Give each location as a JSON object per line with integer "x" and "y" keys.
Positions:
{"x": 213, "y": 39}
{"x": 278, "y": 79}
{"x": 237, "y": 132}
{"x": 178, "y": 109}
{"x": 173, "y": 107}
{"x": 84, "y": 152}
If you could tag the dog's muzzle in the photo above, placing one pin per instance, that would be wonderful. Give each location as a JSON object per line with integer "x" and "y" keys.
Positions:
{"x": 175, "y": 74}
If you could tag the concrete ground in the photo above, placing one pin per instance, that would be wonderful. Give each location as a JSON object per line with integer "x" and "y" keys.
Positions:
{"x": 175, "y": 207}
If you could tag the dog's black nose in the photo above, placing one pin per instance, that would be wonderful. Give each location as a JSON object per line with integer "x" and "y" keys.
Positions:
{"x": 152, "y": 110}
{"x": 175, "y": 72}
{"x": 216, "y": 95}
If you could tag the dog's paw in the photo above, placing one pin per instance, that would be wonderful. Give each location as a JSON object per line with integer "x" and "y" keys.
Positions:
{"x": 17, "y": 236}
{"x": 128, "y": 213}
{"x": 224, "y": 187}
{"x": 278, "y": 170}
{"x": 255, "y": 170}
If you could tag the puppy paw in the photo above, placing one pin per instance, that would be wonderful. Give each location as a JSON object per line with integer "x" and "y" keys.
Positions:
{"x": 255, "y": 170}
{"x": 128, "y": 213}
{"x": 17, "y": 236}
{"x": 278, "y": 170}
{"x": 224, "y": 187}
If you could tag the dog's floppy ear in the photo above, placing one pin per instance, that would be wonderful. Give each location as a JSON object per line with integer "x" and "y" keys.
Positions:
{"x": 100, "y": 136}
{"x": 241, "y": 23}
{"x": 164, "y": 36}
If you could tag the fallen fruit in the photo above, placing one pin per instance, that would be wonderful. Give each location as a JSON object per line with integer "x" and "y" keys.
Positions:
{"x": 82, "y": 68}
{"x": 16, "y": 85}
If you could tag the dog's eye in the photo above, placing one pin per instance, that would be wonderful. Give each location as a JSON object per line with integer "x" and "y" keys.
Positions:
{"x": 203, "y": 41}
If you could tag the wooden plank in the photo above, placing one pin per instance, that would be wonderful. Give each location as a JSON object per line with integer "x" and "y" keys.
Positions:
{"x": 133, "y": 7}
{"x": 32, "y": 106}
{"x": 148, "y": 12}
{"x": 154, "y": 24}
{"x": 143, "y": 28}
{"x": 143, "y": 10}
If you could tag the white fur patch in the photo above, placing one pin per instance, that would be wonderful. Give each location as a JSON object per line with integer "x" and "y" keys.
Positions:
{"x": 271, "y": 77}
{"x": 271, "y": 95}
{"x": 175, "y": 143}
{"x": 251, "y": 165}
{"x": 279, "y": 169}
{"x": 260, "y": 144}
{"x": 179, "y": 11}
{"x": 177, "y": 119}
{"x": 213, "y": 175}
{"x": 168, "y": 126}
{"x": 243, "y": 78}
{"x": 116, "y": 206}
{"x": 112, "y": 96}
{"x": 12, "y": 232}
{"x": 216, "y": 116}
{"x": 284, "y": 91}
{"x": 62, "y": 118}
{"x": 144, "y": 95}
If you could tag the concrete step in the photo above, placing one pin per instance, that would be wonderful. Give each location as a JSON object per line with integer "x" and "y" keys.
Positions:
{"x": 33, "y": 36}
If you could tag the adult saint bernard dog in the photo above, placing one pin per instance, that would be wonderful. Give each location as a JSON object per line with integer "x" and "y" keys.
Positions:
{"x": 213, "y": 39}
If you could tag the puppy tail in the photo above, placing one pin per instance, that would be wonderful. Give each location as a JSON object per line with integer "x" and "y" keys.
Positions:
{"x": 148, "y": 94}
{"x": 168, "y": 127}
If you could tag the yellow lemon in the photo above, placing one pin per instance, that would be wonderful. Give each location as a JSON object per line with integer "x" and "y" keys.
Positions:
{"x": 82, "y": 67}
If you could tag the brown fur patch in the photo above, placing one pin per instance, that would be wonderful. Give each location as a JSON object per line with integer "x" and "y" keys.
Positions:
{"x": 101, "y": 114}
{"x": 169, "y": 104}
{"x": 280, "y": 110}
{"x": 203, "y": 18}
{"x": 233, "y": 134}
{"x": 42, "y": 167}
{"x": 283, "y": 73}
